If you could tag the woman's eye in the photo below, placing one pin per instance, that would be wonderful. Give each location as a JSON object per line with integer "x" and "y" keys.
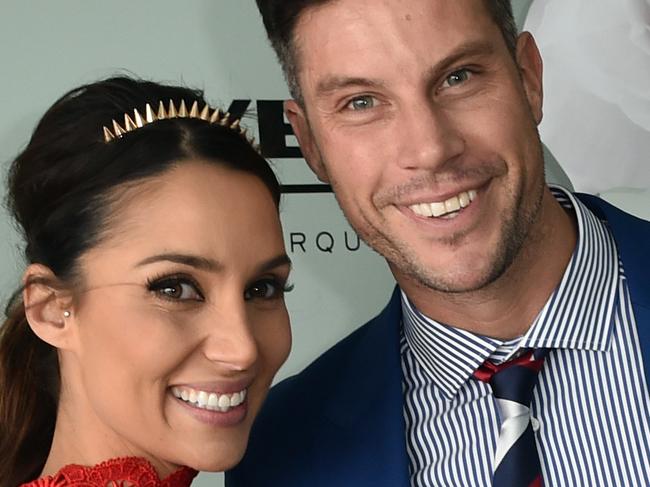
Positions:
{"x": 457, "y": 78}
{"x": 361, "y": 103}
{"x": 265, "y": 289}
{"x": 177, "y": 289}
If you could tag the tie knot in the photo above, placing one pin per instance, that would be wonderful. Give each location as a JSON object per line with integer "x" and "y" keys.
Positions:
{"x": 515, "y": 379}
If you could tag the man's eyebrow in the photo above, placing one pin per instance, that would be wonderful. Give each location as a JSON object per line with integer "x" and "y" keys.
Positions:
{"x": 196, "y": 261}
{"x": 333, "y": 83}
{"x": 465, "y": 50}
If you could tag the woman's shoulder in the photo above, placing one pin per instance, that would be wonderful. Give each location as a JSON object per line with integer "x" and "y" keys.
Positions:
{"x": 129, "y": 472}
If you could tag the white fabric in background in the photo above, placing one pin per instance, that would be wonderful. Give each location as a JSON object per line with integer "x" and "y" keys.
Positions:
{"x": 597, "y": 90}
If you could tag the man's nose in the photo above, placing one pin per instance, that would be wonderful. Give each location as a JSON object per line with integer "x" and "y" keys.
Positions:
{"x": 429, "y": 137}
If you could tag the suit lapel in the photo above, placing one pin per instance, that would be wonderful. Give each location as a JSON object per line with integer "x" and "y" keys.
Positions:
{"x": 365, "y": 420}
{"x": 632, "y": 237}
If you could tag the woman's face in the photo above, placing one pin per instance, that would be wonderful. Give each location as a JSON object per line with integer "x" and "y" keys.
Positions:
{"x": 181, "y": 324}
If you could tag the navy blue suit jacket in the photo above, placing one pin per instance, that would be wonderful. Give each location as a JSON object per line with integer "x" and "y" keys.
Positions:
{"x": 340, "y": 421}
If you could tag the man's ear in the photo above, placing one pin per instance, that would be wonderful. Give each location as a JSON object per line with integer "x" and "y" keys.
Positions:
{"x": 48, "y": 307}
{"x": 298, "y": 120}
{"x": 531, "y": 70}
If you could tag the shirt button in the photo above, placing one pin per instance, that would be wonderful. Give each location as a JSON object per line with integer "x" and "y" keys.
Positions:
{"x": 535, "y": 424}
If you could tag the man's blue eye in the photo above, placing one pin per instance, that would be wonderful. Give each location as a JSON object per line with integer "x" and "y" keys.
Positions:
{"x": 361, "y": 103}
{"x": 457, "y": 77}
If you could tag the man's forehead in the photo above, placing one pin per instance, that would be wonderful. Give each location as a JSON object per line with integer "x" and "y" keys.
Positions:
{"x": 358, "y": 11}
{"x": 333, "y": 81}
{"x": 355, "y": 24}
{"x": 348, "y": 39}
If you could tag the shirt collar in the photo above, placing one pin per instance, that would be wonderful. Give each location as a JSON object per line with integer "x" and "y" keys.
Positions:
{"x": 578, "y": 315}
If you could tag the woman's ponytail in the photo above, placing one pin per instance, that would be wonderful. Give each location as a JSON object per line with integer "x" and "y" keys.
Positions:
{"x": 29, "y": 385}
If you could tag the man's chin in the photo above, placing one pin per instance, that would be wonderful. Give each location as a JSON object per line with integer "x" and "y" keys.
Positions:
{"x": 455, "y": 285}
{"x": 460, "y": 277}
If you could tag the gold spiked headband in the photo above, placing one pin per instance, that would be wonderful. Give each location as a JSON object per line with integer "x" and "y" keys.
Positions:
{"x": 138, "y": 120}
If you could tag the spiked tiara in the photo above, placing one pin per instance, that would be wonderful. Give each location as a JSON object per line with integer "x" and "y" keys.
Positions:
{"x": 207, "y": 114}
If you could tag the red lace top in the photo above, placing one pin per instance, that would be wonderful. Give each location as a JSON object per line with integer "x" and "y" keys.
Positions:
{"x": 119, "y": 472}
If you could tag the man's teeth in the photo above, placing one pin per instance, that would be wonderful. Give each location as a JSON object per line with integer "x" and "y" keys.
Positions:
{"x": 441, "y": 208}
{"x": 209, "y": 400}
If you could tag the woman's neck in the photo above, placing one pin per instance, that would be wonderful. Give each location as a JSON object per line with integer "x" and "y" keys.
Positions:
{"x": 81, "y": 438}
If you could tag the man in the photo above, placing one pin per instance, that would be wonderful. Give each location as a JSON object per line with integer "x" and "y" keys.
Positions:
{"x": 423, "y": 114}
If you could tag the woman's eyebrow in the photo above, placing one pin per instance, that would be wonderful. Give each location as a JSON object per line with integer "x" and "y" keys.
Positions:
{"x": 207, "y": 264}
{"x": 280, "y": 260}
{"x": 196, "y": 261}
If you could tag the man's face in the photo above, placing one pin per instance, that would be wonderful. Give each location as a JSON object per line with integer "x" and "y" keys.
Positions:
{"x": 418, "y": 116}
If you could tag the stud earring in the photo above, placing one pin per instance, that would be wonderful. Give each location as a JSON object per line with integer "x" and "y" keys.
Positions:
{"x": 66, "y": 314}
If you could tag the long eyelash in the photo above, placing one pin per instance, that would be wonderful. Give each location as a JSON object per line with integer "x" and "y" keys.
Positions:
{"x": 154, "y": 282}
{"x": 281, "y": 285}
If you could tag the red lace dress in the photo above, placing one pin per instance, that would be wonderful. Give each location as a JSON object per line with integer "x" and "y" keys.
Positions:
{"x": 119, "y": 472}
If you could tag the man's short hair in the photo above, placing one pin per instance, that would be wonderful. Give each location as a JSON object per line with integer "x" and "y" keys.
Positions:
{"x": 281, "y": 16}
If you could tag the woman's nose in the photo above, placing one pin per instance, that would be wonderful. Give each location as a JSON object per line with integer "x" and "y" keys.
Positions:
{"x": 230, "y": 341}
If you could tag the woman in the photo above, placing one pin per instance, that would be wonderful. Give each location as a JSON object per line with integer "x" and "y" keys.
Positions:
{"x": 152, "y": 317}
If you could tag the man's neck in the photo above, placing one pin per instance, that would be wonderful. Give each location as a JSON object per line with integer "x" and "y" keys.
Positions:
{"x": 508, "y": 307}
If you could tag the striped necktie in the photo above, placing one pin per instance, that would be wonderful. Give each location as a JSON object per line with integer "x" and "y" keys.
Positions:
{"x": 516, "y": 461}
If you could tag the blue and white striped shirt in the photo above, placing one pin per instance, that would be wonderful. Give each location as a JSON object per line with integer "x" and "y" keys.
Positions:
{"x": 590, "y": 406}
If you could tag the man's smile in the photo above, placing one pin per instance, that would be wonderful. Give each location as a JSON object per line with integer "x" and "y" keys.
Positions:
{"x": 445, "y": 209}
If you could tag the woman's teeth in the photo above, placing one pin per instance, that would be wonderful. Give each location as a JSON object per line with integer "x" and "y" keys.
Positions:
{"x": 445, "y": 208}
{"x": 209, "y": 400}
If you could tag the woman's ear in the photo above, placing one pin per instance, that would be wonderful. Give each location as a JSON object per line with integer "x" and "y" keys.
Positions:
{"x": 48, "y": 307}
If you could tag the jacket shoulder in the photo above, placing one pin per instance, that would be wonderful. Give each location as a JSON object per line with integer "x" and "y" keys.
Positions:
{"x": 284, "y": 442}
{"x": 303, "y": 393}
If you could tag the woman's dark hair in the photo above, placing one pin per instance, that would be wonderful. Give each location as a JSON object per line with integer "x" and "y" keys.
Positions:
{"x": 61, "y": 193}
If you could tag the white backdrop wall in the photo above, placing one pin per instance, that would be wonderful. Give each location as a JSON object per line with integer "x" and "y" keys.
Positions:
{"x": 48, "y": 47}
{"x": 597, "y": 56}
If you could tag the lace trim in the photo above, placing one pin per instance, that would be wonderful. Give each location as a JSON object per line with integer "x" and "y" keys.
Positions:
{"x": 118, "y": 472}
